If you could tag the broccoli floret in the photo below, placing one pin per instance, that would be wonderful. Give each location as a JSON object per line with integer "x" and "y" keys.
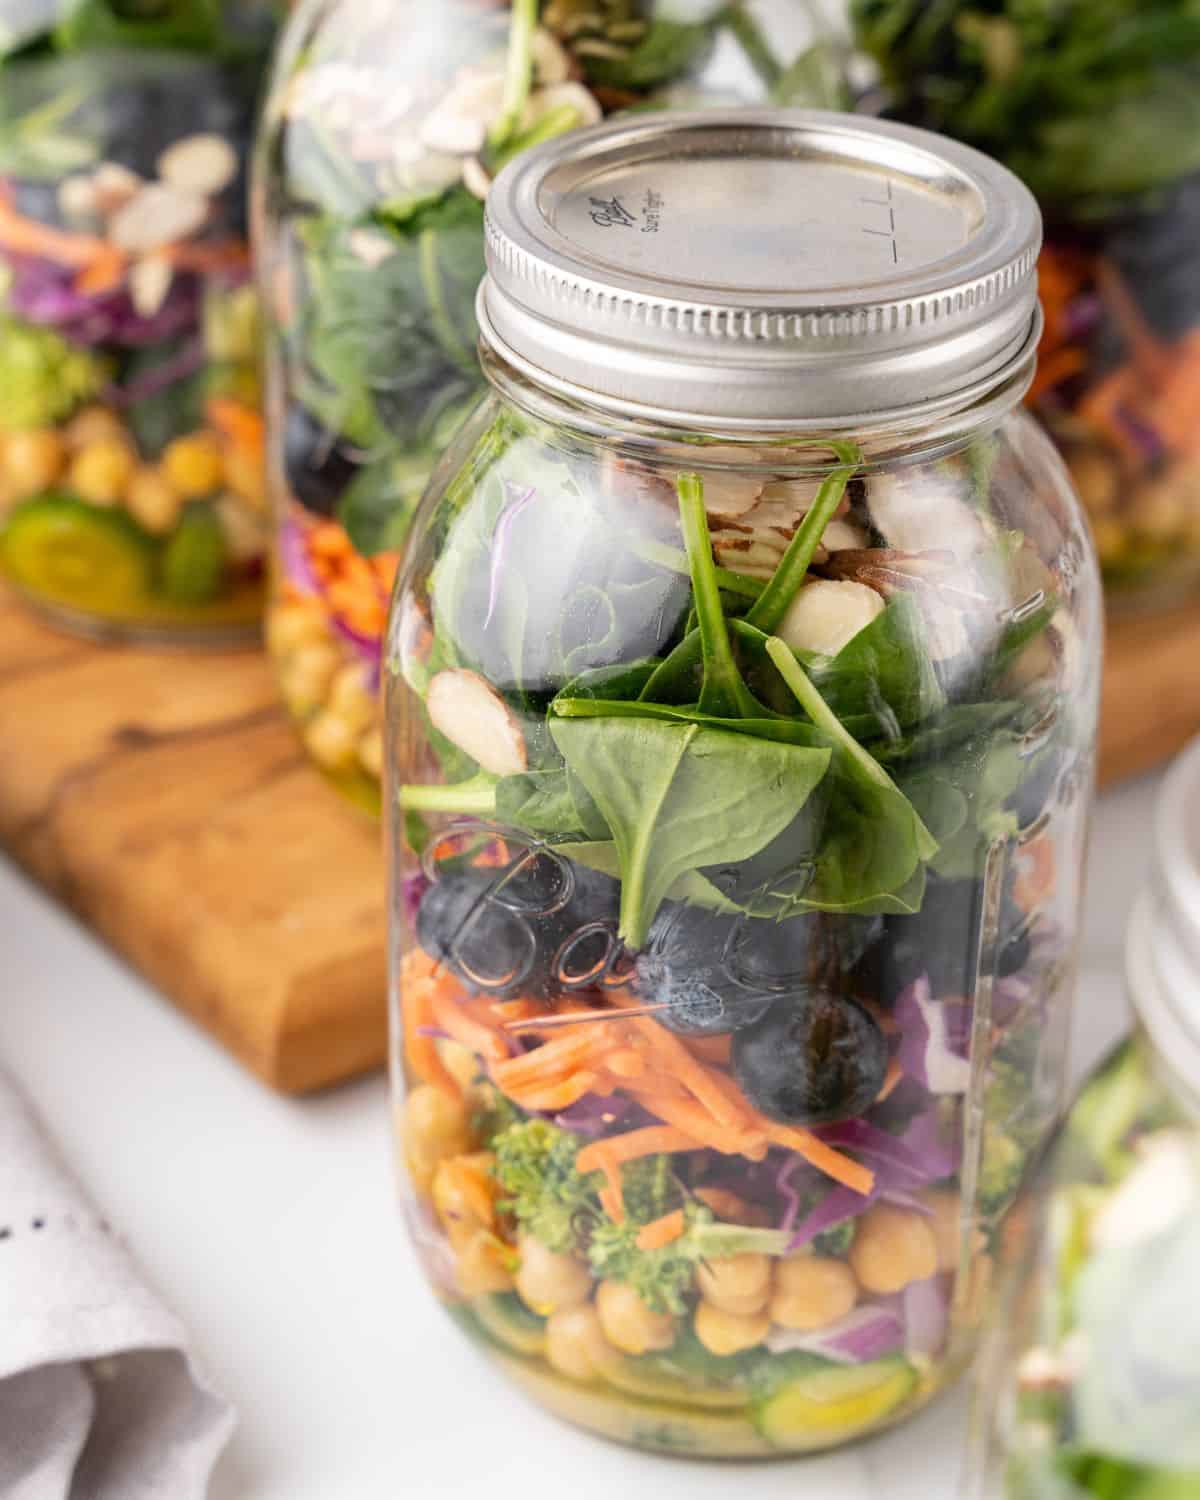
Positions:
{"x": 835, "y": 1241}
{"x": 42, "y": 376}
{"x": 663, "y": 1278}
{"x": 1000, "y": 1174}
{"x": 548, "y": 1197}
{"x": 650, "y": 1189}
{"x": 493, "y": 1113}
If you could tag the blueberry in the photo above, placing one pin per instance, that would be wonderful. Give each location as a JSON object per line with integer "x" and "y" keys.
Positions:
{"x": 815, "y": 1057}
{"x": 540, "y": 926}
{"x": 318, "y": 468}
{"x": 942, "y": 941}
{"x": 686, "y": 967}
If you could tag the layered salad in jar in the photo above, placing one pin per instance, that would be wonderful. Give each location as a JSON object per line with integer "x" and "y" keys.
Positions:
{"x": 385, "y": 129}
{"x": 132, "y": 483}
{"x": 739, "y": 788}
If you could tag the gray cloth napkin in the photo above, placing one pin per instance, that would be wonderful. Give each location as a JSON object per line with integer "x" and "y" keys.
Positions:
{"x": 100, "y": 1397}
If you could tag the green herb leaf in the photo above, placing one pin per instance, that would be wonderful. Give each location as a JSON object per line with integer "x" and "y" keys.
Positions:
{"x": 677, "y": 797}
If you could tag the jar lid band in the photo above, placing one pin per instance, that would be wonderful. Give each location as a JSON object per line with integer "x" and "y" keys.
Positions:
{"x": 760, "y": 267}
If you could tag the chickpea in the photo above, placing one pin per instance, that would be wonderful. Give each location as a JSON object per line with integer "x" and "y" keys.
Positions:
{"x": 245, "y": 474}
{"x": 152, "y": 502}
{"x": 101, "y": 471}
{"x": 370, "y": 752}
{"x": 434, "y": 1127}
{"x": 462, "y": 1064}
{"x": 33, "y": 460}
{"x": 480, "y": 1266}
{"x": 893, "y": 1246}
{"x": 575, "y": 1343}
{"x": 349, "y": 699}
{"x": 1111, "y": 539}
{"x": 307, "y": 673}
{"x": 290, "y": 626}
{"x": 724, "y": 1333}
{"x": 945, "y": 1220}
{"x": 628, "y": 1323}
{"x": 194, "y": 464}
{"x": 546, "y": 1281}
{"x": 1097, "y": 480}
{"x": 812, "y": 1291}
{"x": 94, "y": 424}
{"x": 738, "y": 1284}
{"x": 462, "y": 1195}
{"x": 331, "y": 741}
{"x": 244, "y": 532}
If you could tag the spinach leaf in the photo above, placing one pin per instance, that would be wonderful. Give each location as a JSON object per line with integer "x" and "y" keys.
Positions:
{"x": 679, "y": 796}
{"x": 669, "y": 49}
{"x": 377, "y": 508}
{"x": 540, "y": 802}
{"x": 783, "y": 731}
{"x": 882, "y": 681}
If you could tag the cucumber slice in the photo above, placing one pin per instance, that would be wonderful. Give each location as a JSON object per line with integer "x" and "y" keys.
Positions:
{"x": 506, "y": 1319}
{"x": 193, "y": 564}
{"x": 71, "y": 553}
{"x": 826, "y": 1405}
{"x": 641, "y": 1379}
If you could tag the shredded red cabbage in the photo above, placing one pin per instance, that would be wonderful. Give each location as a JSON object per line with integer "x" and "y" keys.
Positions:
{"x": 294, "y": 560}
{"x": 926, "y": 1315}
{"x": 934, "y": 1035}
{"x": 838, "y": 1205}
{"x": 596, "y": 1114}
{"x": 42, "y": 292}
{"x": 870, "y": 1332}
{"x": 783, "y": 1186}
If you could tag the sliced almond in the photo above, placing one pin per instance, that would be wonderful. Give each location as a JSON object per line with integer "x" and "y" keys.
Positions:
{"x": 558, "y": 96}
{"x": 730, "y": 494}
{"x": 840, "y": 535}
{"x": 114, "y": 186}
{"x": 473, "y": 716}
{"x": 919, "y": 513}
{"x": 157, "y": 215}
{"x": 825, "y": 615}
{"x": 436, "y": 170}
{"x": 204, "y": 164}
{"x": 371, "y": 247}
{"x": 149, "y": 283}
{"x": 475, "y": 178}
{"x": 459, "y": 125}
{"x": 78, "y": 199}
{"x": 551, "y": 60}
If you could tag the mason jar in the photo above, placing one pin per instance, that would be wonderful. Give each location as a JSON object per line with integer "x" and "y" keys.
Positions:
{"x": 384, "y": 127}
{"x": 741, "y": 703}
{"x": 1091, "y": 1385}
{"x": 132, "y": 489}
{"x": 1098, "y": 110}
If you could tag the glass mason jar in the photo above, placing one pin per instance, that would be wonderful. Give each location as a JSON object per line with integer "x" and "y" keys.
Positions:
{"x": 1091, "y": 1385}
{"x": 1097, "y": 108}
{"x": 379, "y": 142}
{"x": 132, "y": 488}
{"x": 741, "y": 697}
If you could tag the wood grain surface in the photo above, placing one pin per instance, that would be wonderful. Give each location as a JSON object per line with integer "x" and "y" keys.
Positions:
{"x": 164, "y": 798}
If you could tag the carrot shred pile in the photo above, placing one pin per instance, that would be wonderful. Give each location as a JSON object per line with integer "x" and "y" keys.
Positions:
{"x": 684, "y": 1084}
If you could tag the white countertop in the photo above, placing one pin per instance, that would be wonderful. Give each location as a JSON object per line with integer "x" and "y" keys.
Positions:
{"x": 271, "y": 1227}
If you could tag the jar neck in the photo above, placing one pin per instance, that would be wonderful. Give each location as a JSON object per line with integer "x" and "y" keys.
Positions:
{"x": 879, "y": 442}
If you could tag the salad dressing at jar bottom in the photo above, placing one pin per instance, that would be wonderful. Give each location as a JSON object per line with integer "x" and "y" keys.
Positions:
{"x": 741, "y": 697}
{"x": 1090, "y": 1387}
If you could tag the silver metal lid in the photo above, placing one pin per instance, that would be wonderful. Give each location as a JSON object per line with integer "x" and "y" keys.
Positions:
{"x": 1162, "y": 956}
{"x": 763, "y": 269}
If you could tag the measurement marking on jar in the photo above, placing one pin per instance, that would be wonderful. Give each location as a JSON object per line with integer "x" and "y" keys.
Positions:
{"x": 890, "y": 232}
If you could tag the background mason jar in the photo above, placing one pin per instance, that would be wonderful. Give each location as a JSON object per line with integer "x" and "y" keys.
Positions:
{"x": 132, "y": 488}
{"x": 385, "y": 125}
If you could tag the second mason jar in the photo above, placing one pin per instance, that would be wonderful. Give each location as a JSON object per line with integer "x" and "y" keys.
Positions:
{"x": 742, "y": 691}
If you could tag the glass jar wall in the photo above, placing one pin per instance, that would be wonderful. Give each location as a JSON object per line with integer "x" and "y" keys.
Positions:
{"x": 132, "y": 488}
{"x": 741, "y": 1196}
{"x": 737, "y": 793}
{"x": 385, "y": 126}
{"x": 1097, "y": 107}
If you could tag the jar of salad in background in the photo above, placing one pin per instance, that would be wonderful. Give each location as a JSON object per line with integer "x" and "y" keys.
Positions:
{"x": 1096, "y": 105}
{"x": 1091, "y": 1385}
{"x": 132, "y": 488}
{"x": 742, "y": 691}
{"x": 385, "y": 126}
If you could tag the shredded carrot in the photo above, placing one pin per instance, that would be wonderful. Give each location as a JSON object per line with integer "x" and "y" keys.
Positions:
{"x": 557, "y": 1095}
{"x": 688, "y": 1116}
{"x": 104, "y": 274}
{"x": 660, "y": 1232}
{"x": 1035, "y": 873}
{"x": 553, "y": 1059}
{"x": 890, "y": 1079}
{"x": 451, "y": 1016}
{"x": 208, "y": 256}
{"x": 648, "y": 1141}
{"x": 694, "y": 1076}
{"x": 626, "y": 1062}
{"x": 238, "y": 423}
{"x": 612, "y": 1202}
{"x": 420, "y": 1050}
{"x": 1055, "y": 368}
{"x": 22, "y": 236}
{"x": 841, "y": 1168}
{"x": 715, "y": 1050}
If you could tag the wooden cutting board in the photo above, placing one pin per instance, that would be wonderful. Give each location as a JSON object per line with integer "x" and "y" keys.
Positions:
{"x": 165, "y": 800}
